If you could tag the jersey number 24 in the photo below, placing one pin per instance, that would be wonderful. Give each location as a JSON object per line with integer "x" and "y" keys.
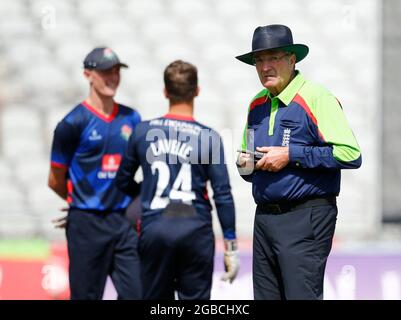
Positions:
{"x": 181, "y": 189}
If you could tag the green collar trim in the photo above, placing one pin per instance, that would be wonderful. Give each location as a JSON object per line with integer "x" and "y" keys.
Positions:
{"x": 291, "y": 90}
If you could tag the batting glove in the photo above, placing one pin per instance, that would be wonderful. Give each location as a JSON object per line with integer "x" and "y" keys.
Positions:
{"x": 231, "y": 261}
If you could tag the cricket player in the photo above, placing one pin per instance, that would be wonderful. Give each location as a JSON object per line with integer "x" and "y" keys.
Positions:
{"x": 178, "y": 156}
{"x": 87, "y": 148}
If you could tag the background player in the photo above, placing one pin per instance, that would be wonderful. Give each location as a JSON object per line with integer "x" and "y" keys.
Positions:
{"x": 176, "y": 243}
{"x": 87, "y": 149}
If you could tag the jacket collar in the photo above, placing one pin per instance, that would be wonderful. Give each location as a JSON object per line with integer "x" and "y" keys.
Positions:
{"x": 291, "y": 90}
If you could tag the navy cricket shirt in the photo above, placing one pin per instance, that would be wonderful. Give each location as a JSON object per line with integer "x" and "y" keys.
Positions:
{"x": 178, "y": 156}
{"x": 91, "y": 146}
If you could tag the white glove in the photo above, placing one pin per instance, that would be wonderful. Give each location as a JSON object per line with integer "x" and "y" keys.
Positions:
{"x": 231, "y": 261}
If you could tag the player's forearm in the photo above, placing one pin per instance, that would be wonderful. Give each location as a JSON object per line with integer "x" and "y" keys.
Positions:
{"x": 59, "y": 189}
{"x": 125, "y": 179}
{"x": 226, "y": 215}
{"x": 128, "y": 186}
{"x": 57, "y": 181}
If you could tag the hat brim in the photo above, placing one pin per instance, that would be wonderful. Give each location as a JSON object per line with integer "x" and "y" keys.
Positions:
{"x": 106, "y": 66}
{"x": 300, "y": 51}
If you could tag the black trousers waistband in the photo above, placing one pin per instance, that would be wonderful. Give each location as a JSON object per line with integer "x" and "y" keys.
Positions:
{"x": 178, "y": 209}
{"x": 279, "y": 208}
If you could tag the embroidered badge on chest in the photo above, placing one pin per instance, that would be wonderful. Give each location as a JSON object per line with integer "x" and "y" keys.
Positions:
{"x": 126, "y": 132}
{"x": 286, "y": 137}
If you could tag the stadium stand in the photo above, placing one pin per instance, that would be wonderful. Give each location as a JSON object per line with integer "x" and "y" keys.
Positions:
{"x": 42, "y": 44}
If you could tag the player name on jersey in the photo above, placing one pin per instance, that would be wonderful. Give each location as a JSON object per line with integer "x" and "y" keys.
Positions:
{"x": 174, "y": 147}
{"x": 181, "y": 126}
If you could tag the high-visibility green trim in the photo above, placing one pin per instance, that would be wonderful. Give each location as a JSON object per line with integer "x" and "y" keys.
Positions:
{"x": 285, "y": 96}
{"x": 244, "y": 143}
{"x": 292, "y": 89}
{"x": 331, "y": 122}
{"x": 273, "y": 112}
{"x": 260, "y": 94}
{"x": 244, "y": 138}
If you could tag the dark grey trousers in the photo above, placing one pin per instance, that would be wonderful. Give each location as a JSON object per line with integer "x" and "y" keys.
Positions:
{"x": 290, "y": 251}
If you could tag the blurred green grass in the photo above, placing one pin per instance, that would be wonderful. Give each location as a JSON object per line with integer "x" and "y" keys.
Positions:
{"x": 36, "y": 249}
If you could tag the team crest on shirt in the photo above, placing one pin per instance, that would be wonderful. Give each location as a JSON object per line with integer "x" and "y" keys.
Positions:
{"x": 126, "y": 132}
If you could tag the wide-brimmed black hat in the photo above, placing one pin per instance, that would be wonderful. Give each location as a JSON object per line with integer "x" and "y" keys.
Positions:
{"x": 102, "y": 58}
{"x": 274, "y": 37}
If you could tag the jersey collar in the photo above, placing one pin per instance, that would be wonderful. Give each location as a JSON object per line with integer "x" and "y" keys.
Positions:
{"x": 178, "y": 117}
{"x": 291, "y": 90}
{"x": 102, "y": 116}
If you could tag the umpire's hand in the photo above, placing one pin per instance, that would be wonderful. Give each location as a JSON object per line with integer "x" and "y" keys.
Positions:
{"x": 275, "y": 158}
{"x": 231, "y": 261}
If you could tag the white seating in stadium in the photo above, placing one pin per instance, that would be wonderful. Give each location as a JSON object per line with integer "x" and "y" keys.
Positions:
{"x": 42, "y": 200}
{"x": 45, "y": 206}
{"x": 151, "y": 103}
{"x": 21, "y": 133}
{"x": 6, "y": 172}
{"x": 71, "y": 53}
{"x": 210, "y": 111}
{"x": 11, "y": 196}
{"x": 108, "y": 30}
{"x": 138, "y": 10}
{"x": 33, "y": 171}
{"x": 169, "y": 51}
{"x": 200, "y": 32}
{"x": 17, "y": 225}
{"x": 19, "y": 120}
{"x": 160, "y": 27}
{"x": 233, "y": 75}
{"x": 131, "y": 52}
{"x": 42, "y": 67}
{"x": 45, "y": 77}
{"x": 25, "y": 52}
{"x": 12, "y": 7}
{"x": 235, "y": 9}
{"x": 95, "y": 10}
{"x": 23, "y": 147}
{"x": 53, "y": 116}
{"x": 65, "y": 30}
{"x": 190, "y": 11}
{"x": 61, "y": 9}
{"x": 18, "y": 26}
{"x": 217, "y": 55}
{"x": 142, "y": 78}
{"x": 325, "y": 9}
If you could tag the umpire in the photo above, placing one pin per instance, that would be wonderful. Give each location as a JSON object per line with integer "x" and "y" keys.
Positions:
{"x": 302, "y": 131}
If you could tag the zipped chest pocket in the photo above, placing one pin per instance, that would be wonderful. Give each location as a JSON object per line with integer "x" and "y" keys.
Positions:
{"x": 290, "y": 124}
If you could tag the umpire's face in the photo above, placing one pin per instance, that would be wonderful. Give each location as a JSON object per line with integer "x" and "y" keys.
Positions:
{"x": 104, "y": 82}
{"x": 275, "y": 69}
